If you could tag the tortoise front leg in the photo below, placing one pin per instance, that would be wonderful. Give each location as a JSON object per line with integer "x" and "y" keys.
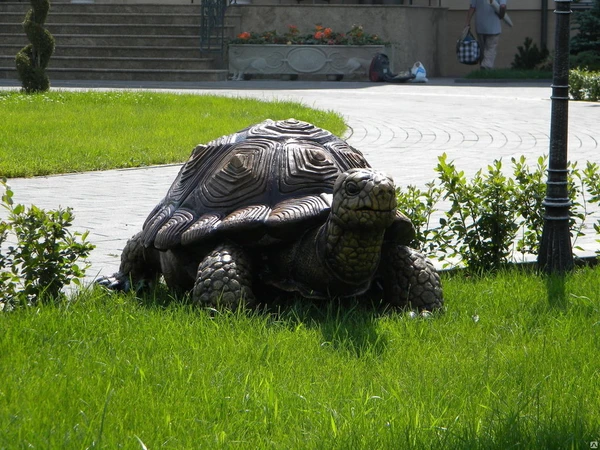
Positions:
{"x": 409, "y": 279}
{"x": 224, "y": 278}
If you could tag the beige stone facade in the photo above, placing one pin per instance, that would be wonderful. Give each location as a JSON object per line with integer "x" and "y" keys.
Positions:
{"x": 419, "y": 30}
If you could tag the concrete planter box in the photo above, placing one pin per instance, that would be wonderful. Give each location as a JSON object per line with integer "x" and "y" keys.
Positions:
{"x": 290, "y": 61}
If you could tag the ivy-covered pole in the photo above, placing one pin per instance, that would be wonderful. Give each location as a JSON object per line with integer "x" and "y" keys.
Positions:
{"x": 556, "y": 254}
{"x": 33, "y": 59}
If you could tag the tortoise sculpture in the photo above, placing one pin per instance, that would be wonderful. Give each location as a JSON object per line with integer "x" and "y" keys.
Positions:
{"x": 284, "y": 204}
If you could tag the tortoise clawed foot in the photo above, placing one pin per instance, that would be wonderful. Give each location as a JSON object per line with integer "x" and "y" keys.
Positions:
{"x": 122, "y": 283}
{"x": 115, "y": 282}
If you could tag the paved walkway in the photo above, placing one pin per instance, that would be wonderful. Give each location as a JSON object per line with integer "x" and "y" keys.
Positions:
{"x": 401, "y": 128}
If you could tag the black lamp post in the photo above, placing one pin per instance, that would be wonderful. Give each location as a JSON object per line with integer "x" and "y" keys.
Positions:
{"x": 556, "y": 255}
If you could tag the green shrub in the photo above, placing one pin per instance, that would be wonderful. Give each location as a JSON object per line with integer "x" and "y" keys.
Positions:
{"x": 584, "y": 85}
{"x": 42, "y": 258}
{"x": 33, "y": 59}
{"x": 592, "y": 183}
{"x": 479, "y": 226}
{"x": 529, "y": 56}
{"x": 420, "y": 207}
{"x": 485, "y": 219}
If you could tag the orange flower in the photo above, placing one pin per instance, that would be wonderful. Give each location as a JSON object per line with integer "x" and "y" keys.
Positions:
{"x": 244, "y": 35}
{"x": 327, "y": 32}
{"x": 319, "y": 35}
{"x": 318, "y": 27}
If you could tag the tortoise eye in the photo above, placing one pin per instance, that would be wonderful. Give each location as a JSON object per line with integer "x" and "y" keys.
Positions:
{"x": 352, "y": 188}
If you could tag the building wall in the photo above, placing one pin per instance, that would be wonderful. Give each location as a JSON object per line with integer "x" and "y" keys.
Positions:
{"x": 426, "y": 30}
{"x": 418, "y": 33}
{"x": 413, "y": 31}
{"x": 526, "y": 23}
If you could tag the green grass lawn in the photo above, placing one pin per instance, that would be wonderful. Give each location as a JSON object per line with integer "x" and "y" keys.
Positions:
{"x": 512, "y": 363}
{"x": 58, "y": 132}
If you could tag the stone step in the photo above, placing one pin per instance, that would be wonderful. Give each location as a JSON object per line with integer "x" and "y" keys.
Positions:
{"x": 123, "y": 18}
{"x": 114, "y": 52}
{"x": 108, "y": 40}
{"x": 91, "y": 18}
{"x": 111, "y": 29}
{"x": 114, "y": 8}
{"x": 126, "y": 75}
{"x": 119, "y": 41}
{"x": 108, "y": 29}
{"x": 66, "y": 62}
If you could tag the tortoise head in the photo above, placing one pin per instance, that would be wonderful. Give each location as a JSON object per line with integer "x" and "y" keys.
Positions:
{"x": 364, "y": 198}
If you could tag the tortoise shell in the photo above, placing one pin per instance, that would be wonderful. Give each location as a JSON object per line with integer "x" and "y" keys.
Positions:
{"x": 270, "y": 180}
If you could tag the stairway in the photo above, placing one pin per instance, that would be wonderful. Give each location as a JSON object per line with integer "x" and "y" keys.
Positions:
{"x": 128, "y": 42}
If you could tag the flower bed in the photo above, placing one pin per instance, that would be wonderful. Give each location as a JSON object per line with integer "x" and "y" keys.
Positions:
{"x": 320, "y": 36}
{"x": 323, "y": 52}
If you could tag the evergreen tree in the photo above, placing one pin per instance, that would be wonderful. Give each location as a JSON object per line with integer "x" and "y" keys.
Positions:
{"x": 587, "y": 24}
{"x": 33, "y": 59}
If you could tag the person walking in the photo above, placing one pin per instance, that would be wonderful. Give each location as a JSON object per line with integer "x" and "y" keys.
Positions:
{"x": 488, "y": 28}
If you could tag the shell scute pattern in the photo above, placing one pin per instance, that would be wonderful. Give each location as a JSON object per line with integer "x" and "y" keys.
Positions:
{"x": 250, "y": 216}
{"x": 306, "y": 167}
{"x": 161, "y": 214}
{"x": 203, "y": 228}
{"x": 191, "y": 173}
{"x": 242, "y": 177}
{"x": 296, "y": 129}
{"x": 169, "y": 234}
{"x": 274, "y": 175}
{"x": 296, "y": 210}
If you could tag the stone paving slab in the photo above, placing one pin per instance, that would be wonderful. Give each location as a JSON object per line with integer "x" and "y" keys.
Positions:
{"x": 401, "y": 128}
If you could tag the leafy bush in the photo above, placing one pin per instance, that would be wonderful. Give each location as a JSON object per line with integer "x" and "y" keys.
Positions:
{"x": 420, "y": 207}
{"x": 584, "y": 85}
{"x": 529, "y": 56}
{"x": 44, "y": 258}
{"x": 592, "y": 182}
{"x": 485, "y": 219}
{"x": 479, "y": 226}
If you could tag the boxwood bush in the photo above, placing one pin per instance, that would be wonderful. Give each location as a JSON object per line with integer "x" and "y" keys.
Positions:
{"x": 584, "y": 85}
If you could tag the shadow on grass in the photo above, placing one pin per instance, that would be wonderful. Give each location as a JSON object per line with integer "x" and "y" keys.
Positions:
{"x": 556, "y": 291}
{"x": 345, "y": 324}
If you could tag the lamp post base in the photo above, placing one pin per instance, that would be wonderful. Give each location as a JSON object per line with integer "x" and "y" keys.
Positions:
{"x": 556, "y": 255}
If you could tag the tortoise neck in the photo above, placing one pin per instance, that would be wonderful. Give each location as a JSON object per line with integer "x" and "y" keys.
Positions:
{"x": 351, "y": 255}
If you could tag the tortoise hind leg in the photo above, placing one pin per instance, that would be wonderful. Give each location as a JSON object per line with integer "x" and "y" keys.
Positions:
{"x": 140, "y": 267}
{"x": 225, "y": 278}
{"x": 409, "y": 279}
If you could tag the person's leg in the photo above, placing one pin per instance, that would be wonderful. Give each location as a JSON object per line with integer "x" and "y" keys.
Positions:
{"x": 489, "y": 45}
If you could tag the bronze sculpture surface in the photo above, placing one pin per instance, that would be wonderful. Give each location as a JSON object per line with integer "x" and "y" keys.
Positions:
{"x": 284, "y": 204}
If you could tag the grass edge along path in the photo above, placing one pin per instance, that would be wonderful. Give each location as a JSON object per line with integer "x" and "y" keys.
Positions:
{"x": 511, "y": 363}
{"x": 63, "y": 132}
